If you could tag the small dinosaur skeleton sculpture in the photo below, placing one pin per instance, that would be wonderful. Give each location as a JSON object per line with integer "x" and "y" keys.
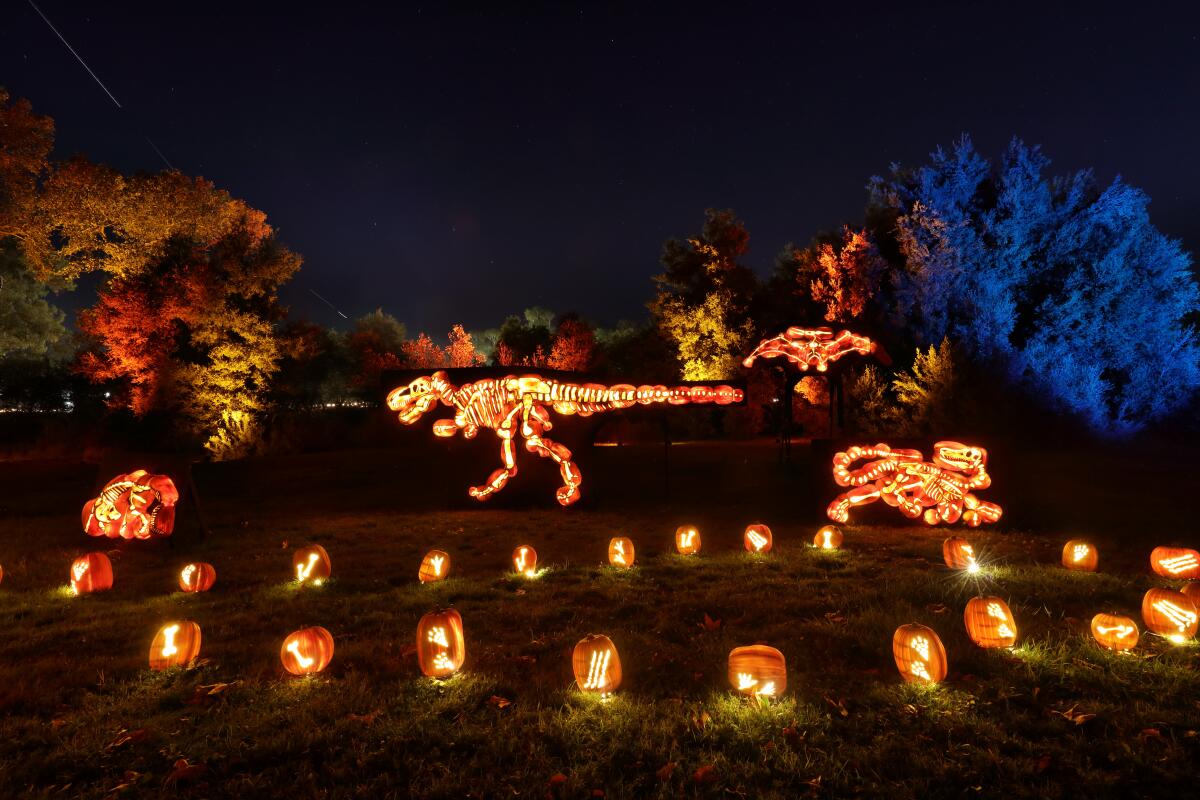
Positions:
{"x": 937, "y": 491}
{"x": 136, "y": 505}
{"x": 814, "y": 347}
{"x": 521, "y": 405}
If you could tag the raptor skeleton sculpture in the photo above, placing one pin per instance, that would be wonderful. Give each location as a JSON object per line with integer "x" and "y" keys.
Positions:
{"x": 937, "y": 491}
{"x": 814, "y": 347}
{"x": 136, "y": 505}
{"x": 515, "y": 406}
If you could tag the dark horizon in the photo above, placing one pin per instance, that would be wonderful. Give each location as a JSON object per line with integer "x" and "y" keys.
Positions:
{"x": 543, "y": 160}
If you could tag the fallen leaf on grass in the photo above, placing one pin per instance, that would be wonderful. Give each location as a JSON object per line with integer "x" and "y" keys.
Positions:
{"x": 836, "y": 617}
{"x": 814, "y": 784}
{"x": 183, "y": 772}
{"x": 1071, "y": 715}
{"x": 365, "y": 719}
{"x": 282, "y": 545}
{"x": 709, "y": 623}
{"x": 207, "y": 693}
{"x": 839, "y": 704}
{"x": 1150, "y": 733}
{"x": 408, "y": 651}
{"x": 1043, "y": 764}
{"x": 499, "y": 702}
{"x": 700, "y": 721}
{"x": 125, "y": 737}
{"x": 793, "y": 736}
{"x": 706, "y": 774}
{"x": 664, "y": 772}
{"x": 936, "y": 608}
{"x": 555, "y": 784}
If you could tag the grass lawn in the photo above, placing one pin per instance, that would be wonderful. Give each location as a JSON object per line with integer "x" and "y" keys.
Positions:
{"x": 1055, "y": 717}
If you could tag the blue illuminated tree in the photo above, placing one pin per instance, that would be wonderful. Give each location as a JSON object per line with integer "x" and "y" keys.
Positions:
{"x": 1066, "y": 287}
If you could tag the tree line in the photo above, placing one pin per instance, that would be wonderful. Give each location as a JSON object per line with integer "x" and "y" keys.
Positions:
{"x": 994, "y": 284}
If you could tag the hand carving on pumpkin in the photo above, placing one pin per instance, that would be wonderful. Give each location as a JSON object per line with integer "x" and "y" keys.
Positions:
{"x": 136, "y": 505}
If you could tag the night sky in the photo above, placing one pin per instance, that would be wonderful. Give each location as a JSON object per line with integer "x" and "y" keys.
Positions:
{"x": 459, "y": 165}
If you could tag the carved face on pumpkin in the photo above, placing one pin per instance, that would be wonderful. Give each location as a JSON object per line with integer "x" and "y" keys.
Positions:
{"x": 136, "y": 505}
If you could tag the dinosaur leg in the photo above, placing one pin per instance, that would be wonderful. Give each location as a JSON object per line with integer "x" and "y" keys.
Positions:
{"x": 979, "y": 511}
{"x": 499, "y": 478}
{"x": 547, "y": 448}
{"x": 839, "y": 509}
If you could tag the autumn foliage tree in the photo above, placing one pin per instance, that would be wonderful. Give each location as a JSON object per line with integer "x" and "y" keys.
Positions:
{"x": 574, "y": 346}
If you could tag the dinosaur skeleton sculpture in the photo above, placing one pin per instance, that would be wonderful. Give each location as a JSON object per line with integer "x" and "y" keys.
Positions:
{"x": 814, "y": 347}
{"x": 515, "y": 405}
{"x": 136, "y": 505}
{"x": 937, "y": 491}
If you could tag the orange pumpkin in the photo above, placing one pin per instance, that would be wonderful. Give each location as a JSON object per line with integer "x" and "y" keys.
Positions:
{"x": 525, "y": 560}
{"x": 136, "y": 505}
{"x": 757, "y": 539}
{"x": 434, "y": 567}
{"x": 175, "y": 645}
{"x": 919, "y": 653}
{"x": 1080, "y": 555}
{"x": 990, "y": 623}
{"x": 91, "y": 573}
{"x": 1115, "y": 632}
{"x": 311, "y": 565}
{"x": 828, "y": 538}
{"x": 621, "y": 552}
{"x": 198, "y": 577}
{"x": 1170, "y": 613}
{"x": 687, "y": 540}
{"x": 441, "y": 648}
{"x": 959, "y": 554}
{"x": 307, "y": 650}
{"x": 1191, "y": 590}
{"x": 1179, "y": 563}
{"x": 596, "y": 664}
{"x": 758, "y": 670}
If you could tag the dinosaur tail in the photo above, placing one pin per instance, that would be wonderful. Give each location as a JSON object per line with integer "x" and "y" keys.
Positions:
{"x": 590, "y": 398}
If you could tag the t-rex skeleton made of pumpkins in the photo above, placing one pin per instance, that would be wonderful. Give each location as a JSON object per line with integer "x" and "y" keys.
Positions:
{"x": 520, "y": 406}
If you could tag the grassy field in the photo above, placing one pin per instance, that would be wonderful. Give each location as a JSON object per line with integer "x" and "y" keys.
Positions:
{"x": 82, "y": 716}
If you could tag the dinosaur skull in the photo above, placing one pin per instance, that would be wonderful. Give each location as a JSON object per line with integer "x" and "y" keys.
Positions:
{"x": 962, "y": 457}
{"x": 414, "y": 400}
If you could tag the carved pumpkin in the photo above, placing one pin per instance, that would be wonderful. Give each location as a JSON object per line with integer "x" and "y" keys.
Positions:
{"x": 919, "y": 654}
{"x": 176, "y": 645}
{"x": 198, "y": 577}
{"x": 597, "y": 665}
{"x": 1179, "y": 563}
{"x": 136, "y": 505}
{"x": 441, "y": 648}
{"x": 307, "y": 650}
{"x": 1114, "y": 632}
{"x": 959, "y": 554}
{"x": 525, "y": 560}
{"x": 311, "y": 565}
{"x": 1080, "y": 555}
{"x": 828, "y": 538}
{"x": 687, "y": 540}
{"x": 434, "y": 567}
{"x": 758, "y": 539}
{"x": 621, "y": 552}
{"x": 1170, "y": 613}
{"x": 758, "y": 670}
{"x": 990, "y": 623}
{"x": 91, "y": 573}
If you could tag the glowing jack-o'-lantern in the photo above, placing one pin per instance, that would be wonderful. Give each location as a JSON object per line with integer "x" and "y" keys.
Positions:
{"x": 312, "y": 565}
{"x": 990, "y": 623}
{"x": 435, "y": 566}
{"x": 525, "y": 561}
{"x": 959, "y": 554}
{"x": 597, "y": 665}
{"x": 621, "y": 552}
{"x": 306, "y": 651}
{"x": 1191, "y": 590}
{"x": 1170, "y": 614}
{"x": 919, "y": 653}
{"x": 441, "y": 648}
{"x": 1115, "y": 632}
{"x": 136, "y": 505}
{"x": 1080, "y": 555}
{"x": 176, "y": 645}
{"x": 813, "y": 347}
{"x": 828, "y": 538}
{"x": 757, "y": 539}
{"x": 687, "y": 540}
{"x": 197, "y": 577}
{"x": 758, "y": 670}
{"x": 1179, "y": 563}
{"x": 91, "y": 573}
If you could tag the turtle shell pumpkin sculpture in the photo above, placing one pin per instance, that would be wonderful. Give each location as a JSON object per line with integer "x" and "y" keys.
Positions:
{"x": 136, "y": 505}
